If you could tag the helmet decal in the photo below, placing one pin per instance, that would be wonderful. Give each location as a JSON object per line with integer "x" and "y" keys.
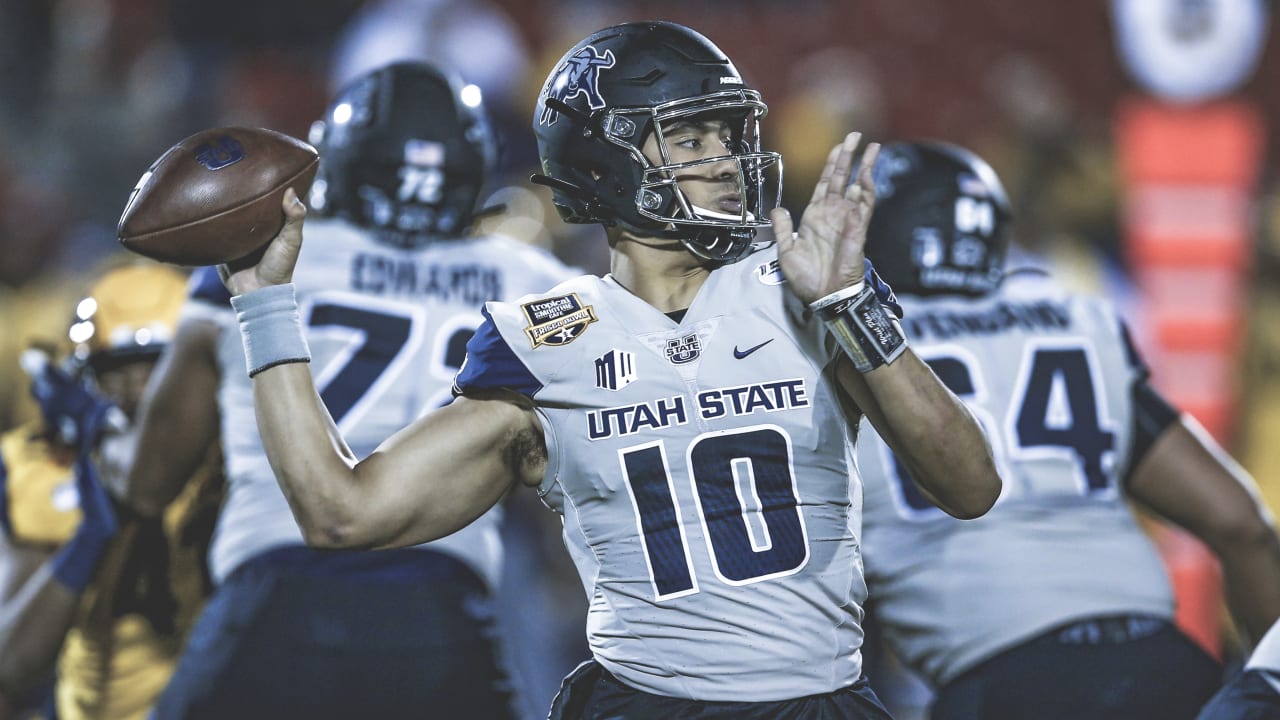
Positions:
{"x": 406, "y": 150}
{"x": 607, "y": 160}
{"x": 579, "y": 74}
{"x": 928, "y": 249}
{"x": 971, "y": 184}
{"x": 941, "y": 224}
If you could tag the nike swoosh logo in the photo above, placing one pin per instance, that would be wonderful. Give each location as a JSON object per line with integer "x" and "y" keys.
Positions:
{"x": 739, "y": 354}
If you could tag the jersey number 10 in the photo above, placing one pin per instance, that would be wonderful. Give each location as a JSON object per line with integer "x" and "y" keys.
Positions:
{"x": 744, "y": 491}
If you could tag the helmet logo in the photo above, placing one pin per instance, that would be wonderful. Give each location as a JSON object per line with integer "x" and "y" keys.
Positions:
{"x": 968, "y": 252}
{"x": 422, "y": 175}
{"x": 578, "y": 75}
{"x": 928, "y": 250}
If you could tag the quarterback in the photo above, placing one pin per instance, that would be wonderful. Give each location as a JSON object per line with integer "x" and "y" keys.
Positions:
{"x": 690, "y": 415}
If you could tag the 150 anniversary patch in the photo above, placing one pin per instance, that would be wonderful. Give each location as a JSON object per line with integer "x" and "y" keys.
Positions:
{"x": 558, "y": 320}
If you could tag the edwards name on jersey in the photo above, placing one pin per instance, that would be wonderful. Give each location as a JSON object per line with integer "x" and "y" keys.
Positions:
{"x": 388, "y": 329}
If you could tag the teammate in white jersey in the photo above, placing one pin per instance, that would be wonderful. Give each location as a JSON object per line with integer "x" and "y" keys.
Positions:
{"x": 1254, "y": 694}
{"x": 1055, "y": 604}
{"x": 390, "y": 288}
{"x": 683, "y": 413}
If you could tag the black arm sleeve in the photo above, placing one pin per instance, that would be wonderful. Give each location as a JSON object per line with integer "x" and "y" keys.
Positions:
{"x": 1152, "y": 415}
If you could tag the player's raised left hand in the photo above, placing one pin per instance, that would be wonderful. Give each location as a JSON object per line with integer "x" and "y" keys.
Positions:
{"x": 825, "y": 253}
{"x": 281, "y": 255}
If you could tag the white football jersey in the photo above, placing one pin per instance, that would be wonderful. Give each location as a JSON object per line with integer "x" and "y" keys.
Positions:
{"x": 1049, "y": 376}
{"x": 387, "y": 329}
{"x": 705, "y": 477}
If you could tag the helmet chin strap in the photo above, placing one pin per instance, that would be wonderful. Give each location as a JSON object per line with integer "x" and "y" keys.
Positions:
{"x": 720, "y": 245}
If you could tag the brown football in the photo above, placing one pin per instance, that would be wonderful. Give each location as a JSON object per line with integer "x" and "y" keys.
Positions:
{"x": 215, "y": 197}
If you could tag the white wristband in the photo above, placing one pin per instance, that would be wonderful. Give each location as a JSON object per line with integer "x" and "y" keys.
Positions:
{"x": 837, "y": 296}
{"x": 271, "y": 328}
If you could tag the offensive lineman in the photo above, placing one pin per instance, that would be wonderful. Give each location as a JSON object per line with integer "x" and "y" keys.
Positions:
{"x": 683, "y": 413}
{"x": 390, "y": 289}
{"x": 1055, "y": 605}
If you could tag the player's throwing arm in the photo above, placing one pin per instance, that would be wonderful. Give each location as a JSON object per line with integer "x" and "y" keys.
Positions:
{"x": 393, "y": 497}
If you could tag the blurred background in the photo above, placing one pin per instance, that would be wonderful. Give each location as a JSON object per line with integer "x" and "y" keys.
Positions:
{"x": 1138, "y": 140}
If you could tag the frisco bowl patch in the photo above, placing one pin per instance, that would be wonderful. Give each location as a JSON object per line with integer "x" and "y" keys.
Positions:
{"x": 557, "y": 320}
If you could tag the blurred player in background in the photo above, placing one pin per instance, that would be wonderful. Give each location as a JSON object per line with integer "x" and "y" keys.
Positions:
{"x": 1254, "y": 694}
{"x": 1055, "y": 604}
{"x": 113, "y": 632}
{"x": 682, "y": 414}
{"x": 392, "y": 286}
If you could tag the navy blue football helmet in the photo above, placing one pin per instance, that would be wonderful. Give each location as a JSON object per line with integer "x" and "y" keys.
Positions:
{"x": 608, "y": 94}
{"x": 941, "y": 221}
{"x": 404, "y": 152}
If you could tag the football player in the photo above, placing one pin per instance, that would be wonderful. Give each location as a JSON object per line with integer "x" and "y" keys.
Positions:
{"x": 1056, "y": 604}
{"x": 682, "y": 413}
{"x": 1254, "y": 694}
{"x": 390, "y": 288}
{"x": 110, "y": 616}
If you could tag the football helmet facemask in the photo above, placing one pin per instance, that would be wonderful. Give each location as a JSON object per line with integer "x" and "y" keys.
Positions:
{"x": 605, "y": 98}
{"x": 941, "y": 221}
{"x": 404, "y": 152}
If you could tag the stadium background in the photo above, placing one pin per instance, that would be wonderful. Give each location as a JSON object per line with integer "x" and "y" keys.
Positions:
{"x": 1171, "y": 208}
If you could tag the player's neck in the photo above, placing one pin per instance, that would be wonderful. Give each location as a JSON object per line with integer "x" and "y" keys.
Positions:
{"x": 666, "y": 277}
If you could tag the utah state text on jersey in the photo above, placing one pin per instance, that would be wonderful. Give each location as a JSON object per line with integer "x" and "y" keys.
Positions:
{"x": 715, "y": 403}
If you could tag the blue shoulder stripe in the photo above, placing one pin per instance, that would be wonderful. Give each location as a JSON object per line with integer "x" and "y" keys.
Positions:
{"x": 206, "y": 286}
{"x": 6, "y": 523}
{"x": 492, "y": 364}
